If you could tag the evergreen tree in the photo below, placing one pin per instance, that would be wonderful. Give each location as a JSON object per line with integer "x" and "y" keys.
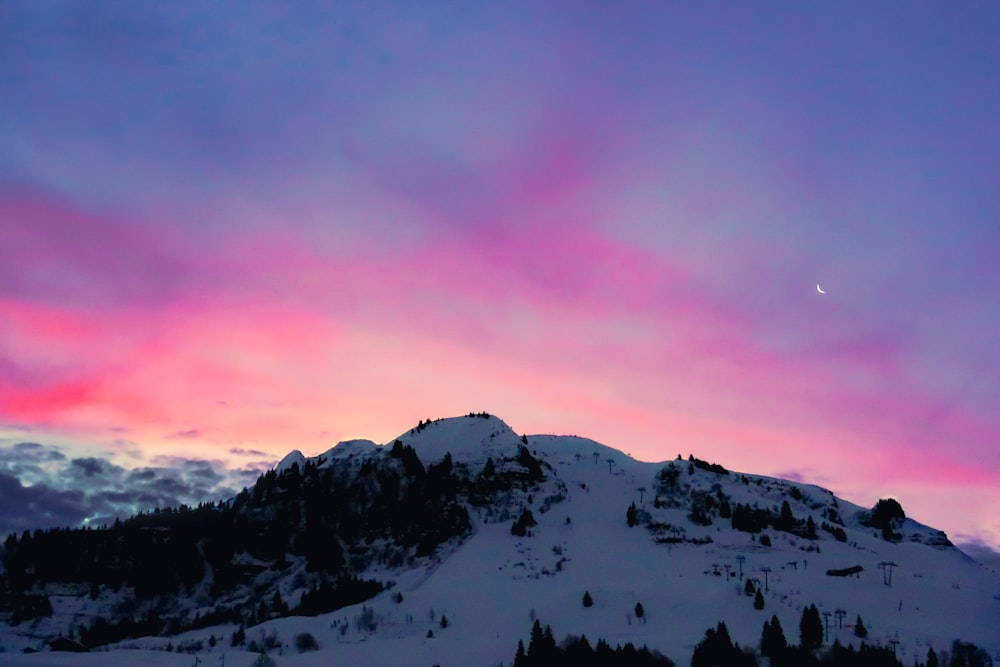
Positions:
{"x": 932, "y": 659}
{"x": 859, "y": 628}
{"x": 397, "y": 449}
{"x": 630, "y": 516}
{"x": 772, "y": 639}
{"x": 758, "y": 600}
{"x": 811, "y": 628}
{"x": 523, "y": 523}
{"x": 489, "y": 470}
{"x": 786, "y": 520}
{"x": 964, "y": 654}
{"x": 748, "y": 587}
{"x": 542, "y": 647}
{"x": 717, "y": 650}
{"x": 536, "y": 639}
{"x": 520, "y": 659}
{"x": 639, "y": 611}
{"x": 587, "y": 600}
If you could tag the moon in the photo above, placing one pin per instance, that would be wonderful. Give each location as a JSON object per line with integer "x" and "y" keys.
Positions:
{"x": 819, "y": 289}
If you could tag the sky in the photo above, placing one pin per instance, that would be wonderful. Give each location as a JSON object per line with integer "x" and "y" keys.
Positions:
{"x": 233, "y": 229}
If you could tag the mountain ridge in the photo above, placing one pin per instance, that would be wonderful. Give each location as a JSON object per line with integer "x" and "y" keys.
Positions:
{"x": 672, "y": 536}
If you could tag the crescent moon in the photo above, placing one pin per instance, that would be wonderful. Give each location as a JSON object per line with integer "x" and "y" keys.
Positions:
{"x": 819, "y": 289}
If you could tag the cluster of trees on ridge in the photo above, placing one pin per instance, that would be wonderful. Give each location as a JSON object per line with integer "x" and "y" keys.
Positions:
{"x": 336, "y": 517}
{"x": 705, "y": 506}
{"x": 717, "y": 649}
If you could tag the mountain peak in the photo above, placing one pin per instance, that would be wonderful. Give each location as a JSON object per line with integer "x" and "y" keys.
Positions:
{"x": 471, "y": 438}
{"x": 294, "y": 457}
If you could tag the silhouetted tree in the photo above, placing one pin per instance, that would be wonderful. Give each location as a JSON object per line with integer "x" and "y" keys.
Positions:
{"x": 525, "y": 521}
{"x": 717, "y": 650}
{"x": 489, "y": 470}
{"x": 520, "y": 659}
{"x": 587, "y": 600}
{"x": 772, "y": 639}
{"x": 811, "y": 628}
{"x": 786, "y": 520}
{"x": 630, "y": 516}
{"x": 859, "y": 628}
{"x": 964, "y": 654}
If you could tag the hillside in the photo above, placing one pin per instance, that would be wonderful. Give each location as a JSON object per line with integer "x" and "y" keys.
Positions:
{"x": 439, "y": 540}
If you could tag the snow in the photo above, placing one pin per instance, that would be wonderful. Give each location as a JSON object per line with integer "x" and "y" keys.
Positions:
{"x": 471, "y": 440}
{"x": 346, "y": 450}
{"x": 492, "y": 585}
{"x": 294, "y": 457}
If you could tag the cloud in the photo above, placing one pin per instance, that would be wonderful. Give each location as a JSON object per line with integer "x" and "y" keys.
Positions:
{"x": 31, "y": 451}
{"x": 41, "y": 488}
{"x": 91, "y": 467}
{"x": 794, "y": 476}
{"x": 985, "y": 553}
{"x": 239, "y": 451}
{"x": 37, "y": 506}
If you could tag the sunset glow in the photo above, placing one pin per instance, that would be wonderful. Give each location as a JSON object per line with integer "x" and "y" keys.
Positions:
{"x": 227, "y": 233}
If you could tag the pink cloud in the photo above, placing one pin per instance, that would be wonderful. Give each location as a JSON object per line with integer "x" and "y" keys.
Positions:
{"x": 549, "y": 321}
{"x": 55, "y": 250}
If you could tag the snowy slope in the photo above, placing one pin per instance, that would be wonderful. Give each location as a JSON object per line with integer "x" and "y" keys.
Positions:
{"x": 492, "y": 585}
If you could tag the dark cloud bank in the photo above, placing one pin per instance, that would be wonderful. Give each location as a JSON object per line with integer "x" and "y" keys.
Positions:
{"x": 40, "y": 487}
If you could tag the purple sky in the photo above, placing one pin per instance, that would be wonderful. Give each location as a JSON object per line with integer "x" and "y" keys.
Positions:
{"x": 231, "y": 229}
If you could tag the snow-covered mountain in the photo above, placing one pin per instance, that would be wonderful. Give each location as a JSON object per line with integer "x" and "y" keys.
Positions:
{"x": 680, "y": 538}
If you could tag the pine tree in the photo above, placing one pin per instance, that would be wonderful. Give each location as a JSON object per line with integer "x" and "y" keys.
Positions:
{"x": 716, "y": 649}
{"x": 523, "y": 523}
{"x": 932, "y": 659}
{"x": 630, "y": 516}
{"x": 587, "y": 600}
{"x": 542, "y": 646}
{"x": 772, "y": 639}
{"x": 786, "y": 520}
{"x": 536, "y": 641}
{"x": 758, "y": 600}
{"x": 520, "y": 659}
{"x": 489, "y": 470}
{"x": 639, "y": 611}
{"x": 811, "y": 628}
{"x": 549, "y": 645}
{"x": 859, "y": 628}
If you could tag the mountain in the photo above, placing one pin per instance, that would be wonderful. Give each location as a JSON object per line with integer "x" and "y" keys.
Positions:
{"x": 445, "y": 545}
